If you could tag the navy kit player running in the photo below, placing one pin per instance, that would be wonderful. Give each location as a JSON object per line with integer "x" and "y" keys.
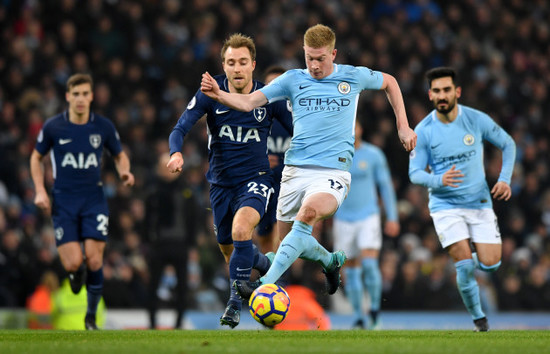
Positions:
{"x": 315, "y": 179}
{"x": 76, "y": 139}
{"x": 357, "y": 226}
{"x": 278, "y": 143}
{"x": 450, "y": 143}
{"x": 241, "y": 183}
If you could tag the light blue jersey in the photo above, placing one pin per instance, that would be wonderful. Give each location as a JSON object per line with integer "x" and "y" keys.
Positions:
{"x": 323, "y": 113}
{"x": 460, "y": 143}
{"x": 368, "y": 171}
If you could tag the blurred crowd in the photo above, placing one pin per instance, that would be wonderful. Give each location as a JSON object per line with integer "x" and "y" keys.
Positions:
{"x": 146, "y": 58}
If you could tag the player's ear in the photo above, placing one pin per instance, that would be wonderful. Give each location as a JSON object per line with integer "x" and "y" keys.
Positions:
{"x": 253, "y": 65}
{"x": 458, "y": 91}
{"x": 430, "y": 94}
{"x": 334, "y": 53}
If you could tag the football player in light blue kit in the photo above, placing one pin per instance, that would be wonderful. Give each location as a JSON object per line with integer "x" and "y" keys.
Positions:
{"x": 450, "y": 142}
{"x": 357, "y": 226}
{"x": 315, "y": 179}
{"x": 76, "y": 139}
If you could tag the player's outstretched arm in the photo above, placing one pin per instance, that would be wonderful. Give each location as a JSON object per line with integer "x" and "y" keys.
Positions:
{"x": 407, "y": 136}
{"x": 122, "y": 164}
{"x": 239, "y": 102}
{"x": 41, "y": 200}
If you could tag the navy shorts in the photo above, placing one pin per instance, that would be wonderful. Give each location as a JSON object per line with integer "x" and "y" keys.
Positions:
{"x": 78, "y": 216}
{"x": 256, "y": 193}
{"x": 270, "y": 218}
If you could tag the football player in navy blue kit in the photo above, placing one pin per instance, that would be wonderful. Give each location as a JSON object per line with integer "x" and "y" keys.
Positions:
{"x": 241, "y": 182}
{"x": 76, "y": 139}
{"x": 278, "y": 142}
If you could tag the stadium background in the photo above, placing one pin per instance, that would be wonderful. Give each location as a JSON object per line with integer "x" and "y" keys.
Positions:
{"x": 147, "y": 57}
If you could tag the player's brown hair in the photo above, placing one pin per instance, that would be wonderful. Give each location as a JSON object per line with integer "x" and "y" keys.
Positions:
{"x": 320, "y": 36}
{"x": 79, "y": 79}
{"x": 239, "y": 40}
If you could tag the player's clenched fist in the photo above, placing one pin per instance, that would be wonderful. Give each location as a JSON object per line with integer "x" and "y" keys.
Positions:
{"x": 175, "y": 163}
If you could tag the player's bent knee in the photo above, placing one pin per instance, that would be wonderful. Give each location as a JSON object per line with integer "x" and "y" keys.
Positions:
{"x": 308, "y": 215}
{"x": 489, "y": 268}
{"x": 94, "y": 263}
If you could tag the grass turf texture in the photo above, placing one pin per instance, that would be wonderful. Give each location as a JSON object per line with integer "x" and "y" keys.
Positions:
{"x": 280, "y": 342}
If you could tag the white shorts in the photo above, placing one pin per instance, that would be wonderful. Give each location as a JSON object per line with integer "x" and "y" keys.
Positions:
{"x": 352, "y": 237}
{"x": 298, "y": 183}
{"x": 453, "y": 225}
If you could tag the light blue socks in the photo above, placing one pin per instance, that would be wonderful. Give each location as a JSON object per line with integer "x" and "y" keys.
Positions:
{"x": 372, "y": 279}
{"x": 298, "y": 243}
{"x": 468, "y": 287}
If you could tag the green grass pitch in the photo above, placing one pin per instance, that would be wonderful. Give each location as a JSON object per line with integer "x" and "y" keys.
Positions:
{"x": 280, "y": 342}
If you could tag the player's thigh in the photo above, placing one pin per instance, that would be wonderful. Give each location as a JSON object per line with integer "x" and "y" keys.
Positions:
{"x": 299, "y": 183}
{"x": 244, "y": 222}
{"x": 70, "y": 254}
{"x": 94, "y": 217}
{"x": 450, "y": 226}
{"x": 251, "y": 203}
{"x": 220, "y": 201}
{"x": 483, "y": 225}
{"x": 485, "y": 235}
{"x": 345, "y": 237}
{"x": 94, "y": 253}
{"x": 370, "y": 233}
{"x": 65, "y": 218}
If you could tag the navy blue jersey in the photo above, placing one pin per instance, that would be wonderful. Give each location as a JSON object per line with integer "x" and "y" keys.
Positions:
{"x": 237, "y": 140}
{"x": 278, "y": 143}
{"x": 76, "y": 150}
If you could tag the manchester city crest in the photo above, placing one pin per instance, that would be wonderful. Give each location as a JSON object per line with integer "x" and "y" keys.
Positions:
{"x": 95, "y": 140}
{"x": 468, "y": 139}
{"x": 344, "y": 88}
{"x": 260, "y": 113}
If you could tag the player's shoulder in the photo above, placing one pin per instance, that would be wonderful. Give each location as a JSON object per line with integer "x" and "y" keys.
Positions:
{"x": 472, "y": 113}
{"x": 99, "y": 119}
{"x": 55, "y": 120}
{"x": 426, "y": 122}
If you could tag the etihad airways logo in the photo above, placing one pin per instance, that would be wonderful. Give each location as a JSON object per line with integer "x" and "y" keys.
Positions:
{"x": 324, "y": 104}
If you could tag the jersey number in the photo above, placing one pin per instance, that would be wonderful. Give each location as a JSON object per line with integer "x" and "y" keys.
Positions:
{"x": 260, "y": 189}
{"x": 335, "y": 184}
{"x": 103, "y": 223}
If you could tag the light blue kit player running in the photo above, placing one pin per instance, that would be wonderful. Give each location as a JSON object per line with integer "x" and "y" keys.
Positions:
{"x": 76, "y": 139}
{"x": 315, "y": 179}
{"x": 450, "y": 143}
{"x": 357, "y": 227}
{"x": 241, "y": 182}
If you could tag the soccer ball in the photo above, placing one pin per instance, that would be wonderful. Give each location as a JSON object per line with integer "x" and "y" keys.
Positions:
{"x": 269, "y": 304}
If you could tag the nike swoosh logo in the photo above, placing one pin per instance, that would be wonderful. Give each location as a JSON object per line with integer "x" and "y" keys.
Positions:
{"x": 218, "y": 111}
{"x": 304, "y": 86}
{"x": 243, "y": 269}
{"x": 434, "y": 146}
{"x": 64, "y": 141}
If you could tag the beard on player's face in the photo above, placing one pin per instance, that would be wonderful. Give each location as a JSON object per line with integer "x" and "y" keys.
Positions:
{"x": 444, "y": 105}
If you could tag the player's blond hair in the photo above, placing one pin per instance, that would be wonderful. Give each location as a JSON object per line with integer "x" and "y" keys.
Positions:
{"x": 79, "y": 79}
{"x": 320, "y": 36}
{"x": 239, "y": 40}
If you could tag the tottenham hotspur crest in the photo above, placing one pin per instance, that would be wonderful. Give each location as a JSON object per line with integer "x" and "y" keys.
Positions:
{"x": 95, "y": 140}
{"x": 260, "y": 113}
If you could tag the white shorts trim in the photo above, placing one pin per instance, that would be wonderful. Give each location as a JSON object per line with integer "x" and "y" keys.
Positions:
{"x": 354, "y": 236}
{"x": 454, "y": 225}
{"x": 299, "y": 182}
